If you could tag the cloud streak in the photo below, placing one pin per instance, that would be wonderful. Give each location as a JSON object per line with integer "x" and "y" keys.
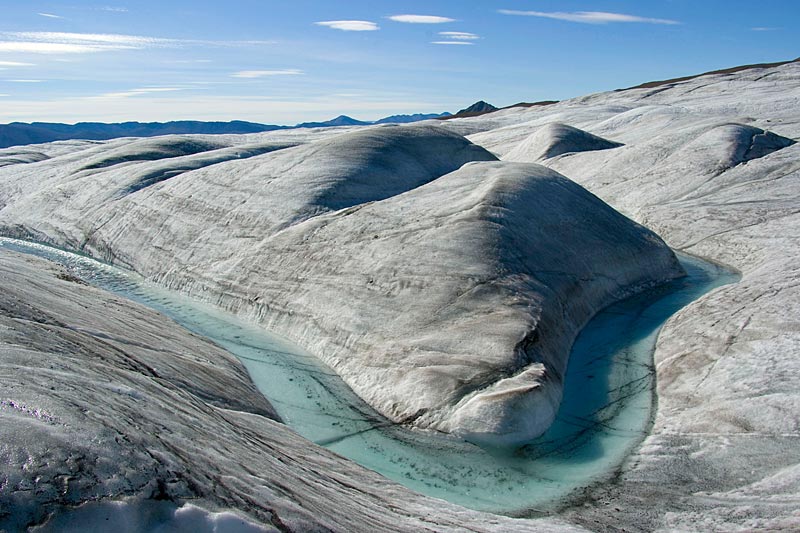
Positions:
{"x": 589, "y": 17}
{"x": 84, "y": 43}
{"x": 349, "y": 25}
{"x": 421, "y": 19}
{"x": 250, "y": 74}
{"x": 459, "y": 35}
{"x": 142, "y": 91}
{"x": 453, "y": 42}
{"x": 74, "y": 43}
{"x": 49, "y": 15}
{"x": 15, "y": 64}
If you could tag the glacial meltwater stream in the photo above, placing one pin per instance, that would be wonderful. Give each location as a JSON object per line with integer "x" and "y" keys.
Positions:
{"x": 606, "y": 411}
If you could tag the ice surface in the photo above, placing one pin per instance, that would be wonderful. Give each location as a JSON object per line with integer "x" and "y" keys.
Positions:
{"x": 109, "y": 403}
{"x": 606, "y": 411}
{"x": 140, "y": 516}
{"x": 443, "y": 286}
{"x": 727, "y": 365}
{"x": 712, "y": 165}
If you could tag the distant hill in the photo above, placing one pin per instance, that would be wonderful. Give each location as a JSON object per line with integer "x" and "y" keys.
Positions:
{"x": 478, "y": 108}
{"x": 18, "y": 133}
{"x": 405, "y": 119}
{"x": 732, "y": 70}
{"x": 341, "y": 120}
{"x": 344, "y": 120}
{"x": 532, "y": 104}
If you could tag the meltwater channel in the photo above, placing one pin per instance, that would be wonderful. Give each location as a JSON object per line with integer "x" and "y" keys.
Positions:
{"x": 606, "y": 411}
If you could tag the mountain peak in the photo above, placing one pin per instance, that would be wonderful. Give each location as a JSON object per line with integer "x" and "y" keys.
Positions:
{"x": 480, "y": 107}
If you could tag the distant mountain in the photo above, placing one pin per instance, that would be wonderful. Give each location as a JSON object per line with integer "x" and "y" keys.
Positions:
{"x": 18, "y": 133}
{"x": 344, "y": 120}
{"x": 341, "y": 120}
{"x": 478, "y": 108}
{"x": 405, "y": 119}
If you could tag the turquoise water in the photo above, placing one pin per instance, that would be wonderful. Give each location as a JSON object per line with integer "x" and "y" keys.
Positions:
{"x": 606, "y": 411}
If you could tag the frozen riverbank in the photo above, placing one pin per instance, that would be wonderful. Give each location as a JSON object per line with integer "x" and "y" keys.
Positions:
{"x": 605, "y": 413}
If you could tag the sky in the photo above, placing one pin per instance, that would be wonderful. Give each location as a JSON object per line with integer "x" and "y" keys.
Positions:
{"x": 284, "y": 62}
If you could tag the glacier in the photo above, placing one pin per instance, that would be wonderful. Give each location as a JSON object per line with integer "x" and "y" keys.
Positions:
{"x": 710, "y": 164}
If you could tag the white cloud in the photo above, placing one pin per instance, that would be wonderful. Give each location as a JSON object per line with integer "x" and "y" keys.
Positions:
{"x": 49, "y": 15}
{"x": 114, "y": 9}
{"x": 83, "y": 43}
{"x": 74, "y": 43}
{"x": 266, "y": 73}
{"x": 588, "y": 17}
{"x": 139, "y": 92}
{"x": 459, "y": 35}
{"x": 421, "y": 19}
{"x": 453, "y": 42}
{"x": 762, "y": 28}
{"x": 4, "y": 95}
{"x": 349, "y": 25}
{"x": 24, "y": 81}
{"x": 55, "y": 48}
{"x": 187, "y": 61}
{"x": 15, "y": 64}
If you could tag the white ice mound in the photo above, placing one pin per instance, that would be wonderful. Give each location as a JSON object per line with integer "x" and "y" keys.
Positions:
{"x": 556, "y": 139}
{"x": 152, "y": 149}
{"x": 452, "y": 306}
{"x": 727, "y": 145}
{"x": 447, "y": 298}
{"x": 24, "y": 156}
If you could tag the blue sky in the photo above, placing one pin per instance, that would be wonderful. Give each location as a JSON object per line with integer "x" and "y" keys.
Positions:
{"x": 283, "y": 62}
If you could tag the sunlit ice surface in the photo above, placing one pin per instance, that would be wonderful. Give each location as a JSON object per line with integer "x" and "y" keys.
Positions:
{"x": 606, "y": 410}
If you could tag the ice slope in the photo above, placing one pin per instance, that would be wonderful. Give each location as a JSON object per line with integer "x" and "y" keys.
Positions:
{"x": 555, "y": 139}
{"x": 712, "y": 165}
{"x": 723, "y": 454}
{"x": 108, "y": 402}
{"x": 446, "y": 296}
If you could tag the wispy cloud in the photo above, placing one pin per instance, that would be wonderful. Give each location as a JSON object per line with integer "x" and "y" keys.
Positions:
{"x": 188, "y": 61}
{"x": 50, "y": 15}
{"x": 142, "y": 91}
{"x": 266, "y": 73}
{"x": 24, "y": 81}
{"x": 349, "y": 25}
{"x": 763, "y": 28}
{"x": 459, "y": 35}
{"x": 588, "y": 17}
{"x": 73, "y": 43}
{"x": 113, "y": 9}
{"x": 2, "y": 95}
{"x": 83, "y": 43}
{"x": 420, "y": 19}
{"x": 15, "y": 64}
{"x": 453, "y": 42}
